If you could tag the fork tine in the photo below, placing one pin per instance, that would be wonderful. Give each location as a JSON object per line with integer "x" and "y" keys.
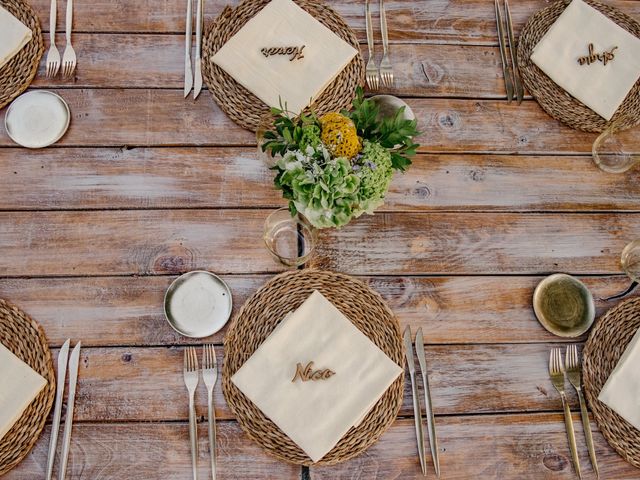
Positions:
{"x": 214, "y": 360}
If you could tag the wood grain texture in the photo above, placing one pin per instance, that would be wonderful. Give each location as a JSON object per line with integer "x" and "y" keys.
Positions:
{"x": 133, "y": 242}
{"x": 437, "y": 21}
{"x": 422, "y": 70}
{"x": 127, "y": 311}
{"x": 513, "y": 447}
{"x": 138, "y": 451}
{"x": 461, "y": 243}
{"x": 138, "y": 117}
{"x": 145, "y": 383}
{"x": 92, "y": 178}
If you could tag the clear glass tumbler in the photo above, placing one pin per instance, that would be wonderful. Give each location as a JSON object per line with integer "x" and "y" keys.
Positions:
{"x": 610, "y": 154}
{"x": 290, "y": 239}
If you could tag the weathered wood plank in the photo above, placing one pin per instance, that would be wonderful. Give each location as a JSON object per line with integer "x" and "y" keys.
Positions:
{"x": 127, "y": 311}
{"x": 145, "y": 383}
{"x": 513, "y": 447}
{"x": 133, "y": 242}
{"x": 115, "y": 60}
{"x": 461, "y": 243}
{"x": 151, "y": 451}
{"x": 162, "y": 117}
{"x": 89, "y": 178}
{"x": 436, "y": 21}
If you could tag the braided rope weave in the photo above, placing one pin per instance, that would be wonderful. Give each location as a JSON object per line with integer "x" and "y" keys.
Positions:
{"x": 606, "y": 344}
{"x": 552, "y": 98}
{"x": 25, "y": 338}
{"x": 263, "y": 312}
{"x": 17, "y": 74}
{"x": 242, "y": 106}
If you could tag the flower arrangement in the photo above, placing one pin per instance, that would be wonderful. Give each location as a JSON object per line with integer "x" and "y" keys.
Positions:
{"x": 338, "y": 166}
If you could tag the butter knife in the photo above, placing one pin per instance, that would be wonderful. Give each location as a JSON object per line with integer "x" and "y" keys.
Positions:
{"x": 198, "y": 64}
{"x": 517, "y": 81}
{"x": 63, "y": 358}
{"x": 506, "y": 72}
{"x": 74, "y": 362}
{"x": 188, "y": 73}
{"x": 417, "y": 416}
{"x": 431, "y": 424}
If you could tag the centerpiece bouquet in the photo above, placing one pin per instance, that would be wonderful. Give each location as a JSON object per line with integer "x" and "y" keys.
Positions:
{"x": 338, "y": 166}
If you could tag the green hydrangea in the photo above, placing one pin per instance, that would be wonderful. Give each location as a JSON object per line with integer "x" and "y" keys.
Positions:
{"x": 325, "y": 192}
{"x": 375, "y": 170}
{"x": 310, "y": 137}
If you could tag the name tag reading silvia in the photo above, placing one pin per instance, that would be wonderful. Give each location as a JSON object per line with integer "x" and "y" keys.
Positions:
{"x": 592, "y": 57}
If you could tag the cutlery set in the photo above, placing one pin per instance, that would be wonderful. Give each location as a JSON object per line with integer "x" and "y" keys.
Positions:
{"x": 373, "y": 74}
{"x": 193, "y": 80}
{"x": 511, "y": 72}
{"x": 431, "y": 426}
{"x": 571, "y": 369}
{"x": 210, "y": 377}
{"x": 73, "y": 363}
{"x": 68, "y": 63}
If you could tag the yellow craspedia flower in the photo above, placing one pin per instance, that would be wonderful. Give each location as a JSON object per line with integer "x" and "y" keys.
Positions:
{"x": 340, "y": 136}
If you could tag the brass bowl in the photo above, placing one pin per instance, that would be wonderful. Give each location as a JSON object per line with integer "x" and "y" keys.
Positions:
{"x": 564, "y": 305}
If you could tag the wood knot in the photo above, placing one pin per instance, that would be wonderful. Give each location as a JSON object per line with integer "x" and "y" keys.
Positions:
{"x": 126, "y": 357}
{"x": 476, "y": 175}
{"x": 422, "y": 192}
{"x": 555, "y": 462}
{"x": 448, "y": 120}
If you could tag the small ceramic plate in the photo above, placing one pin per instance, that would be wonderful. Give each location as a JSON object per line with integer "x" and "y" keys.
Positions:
{"x": 197, "y": 304}
{"x": 564, "y": 305}
{"x": 389, "y": 105}
{"x": 37, "y": 119}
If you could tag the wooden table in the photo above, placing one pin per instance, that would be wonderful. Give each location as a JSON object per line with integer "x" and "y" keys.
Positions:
{"x": 146, "y": 185}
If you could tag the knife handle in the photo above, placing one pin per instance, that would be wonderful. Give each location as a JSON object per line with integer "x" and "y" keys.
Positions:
{"x": 417, "y": 415}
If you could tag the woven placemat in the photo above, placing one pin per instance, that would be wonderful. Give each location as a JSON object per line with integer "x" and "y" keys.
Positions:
{"x": 552, "y": 98}
{"x": 264, "y": 311}
{"x": 25, "y": 338}
{"x": 242, "y": 106}
{"x": 606, "y": 344}
{"x": 17, "y": 74}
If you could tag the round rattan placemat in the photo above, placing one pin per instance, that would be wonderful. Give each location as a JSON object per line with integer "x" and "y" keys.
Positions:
{"x": 242, "y": 106}
{"x": 25, "y": 338}
{"x": 606, "y": 344}
{"x": 552, "y": 98}
{"x": 264, "y": 311}
{"x": 16, "y": 75}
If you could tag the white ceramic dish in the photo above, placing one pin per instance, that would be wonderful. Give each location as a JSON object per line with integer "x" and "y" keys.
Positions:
{"x": 197, "y": 304}
{"x": 37, "y": 119}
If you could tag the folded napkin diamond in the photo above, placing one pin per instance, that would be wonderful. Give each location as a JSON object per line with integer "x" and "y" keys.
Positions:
{"x": 316, "y": 376}
{"x": 13, "y": 36}
{"x": 622, "y": 390}
{"x": 591, "y": 57}
{"x": 19, "y": 385}
{"x": 284, "y": 53}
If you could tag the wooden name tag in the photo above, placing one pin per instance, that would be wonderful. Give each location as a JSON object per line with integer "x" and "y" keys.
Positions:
{"x": 295, "y": 53}
{"x": 593, "y": 57}
{"x": 307, "y": 373}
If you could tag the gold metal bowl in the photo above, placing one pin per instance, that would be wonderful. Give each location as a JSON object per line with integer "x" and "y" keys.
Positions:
{"x": 564, "y": 305}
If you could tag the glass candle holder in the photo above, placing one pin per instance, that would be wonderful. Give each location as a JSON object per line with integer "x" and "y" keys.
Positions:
{"x": 266, "y": 124}
{"x": 291, "y": 240}
{"x": 609, "y": 153}
{"x": 630, "y": 260}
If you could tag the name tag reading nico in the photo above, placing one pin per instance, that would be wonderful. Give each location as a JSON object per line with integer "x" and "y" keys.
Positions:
{"x": 306, "y": 373}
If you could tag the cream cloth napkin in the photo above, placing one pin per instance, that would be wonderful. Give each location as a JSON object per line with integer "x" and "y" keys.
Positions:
{"x": 282, "y": 24}
{"x": 600, "y": 87}
{"x": 316, "y": 414}
{"x": 13, "y": 36}
{"x": 19, "y": 385}
{"x": 622, "y": 390}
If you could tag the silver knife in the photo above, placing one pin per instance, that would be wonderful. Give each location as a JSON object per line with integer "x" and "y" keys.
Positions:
{"x": 506, "y": 72}
{"x": 517, "y": 80}
{"x": 188, "y": 75}
{"x": 431, "y": 424}
{"x": 198, "y": 78}
{"x": 417, "y": 416}
{"x": 74, "y": 362}
{"x": 63, "y": 357}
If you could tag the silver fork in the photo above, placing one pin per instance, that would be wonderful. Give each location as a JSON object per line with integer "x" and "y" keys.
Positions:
{"x": 210, "y": 377}
{"x": 373, "y": 79}
{"x": 386, "y": 70}
{"x": 53, "y": 55}
{"x": 191, "y": 382}
{"x": 69, "y": 56}
{"x": 573, "y": 367}
{"x": 556, "y": 372}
